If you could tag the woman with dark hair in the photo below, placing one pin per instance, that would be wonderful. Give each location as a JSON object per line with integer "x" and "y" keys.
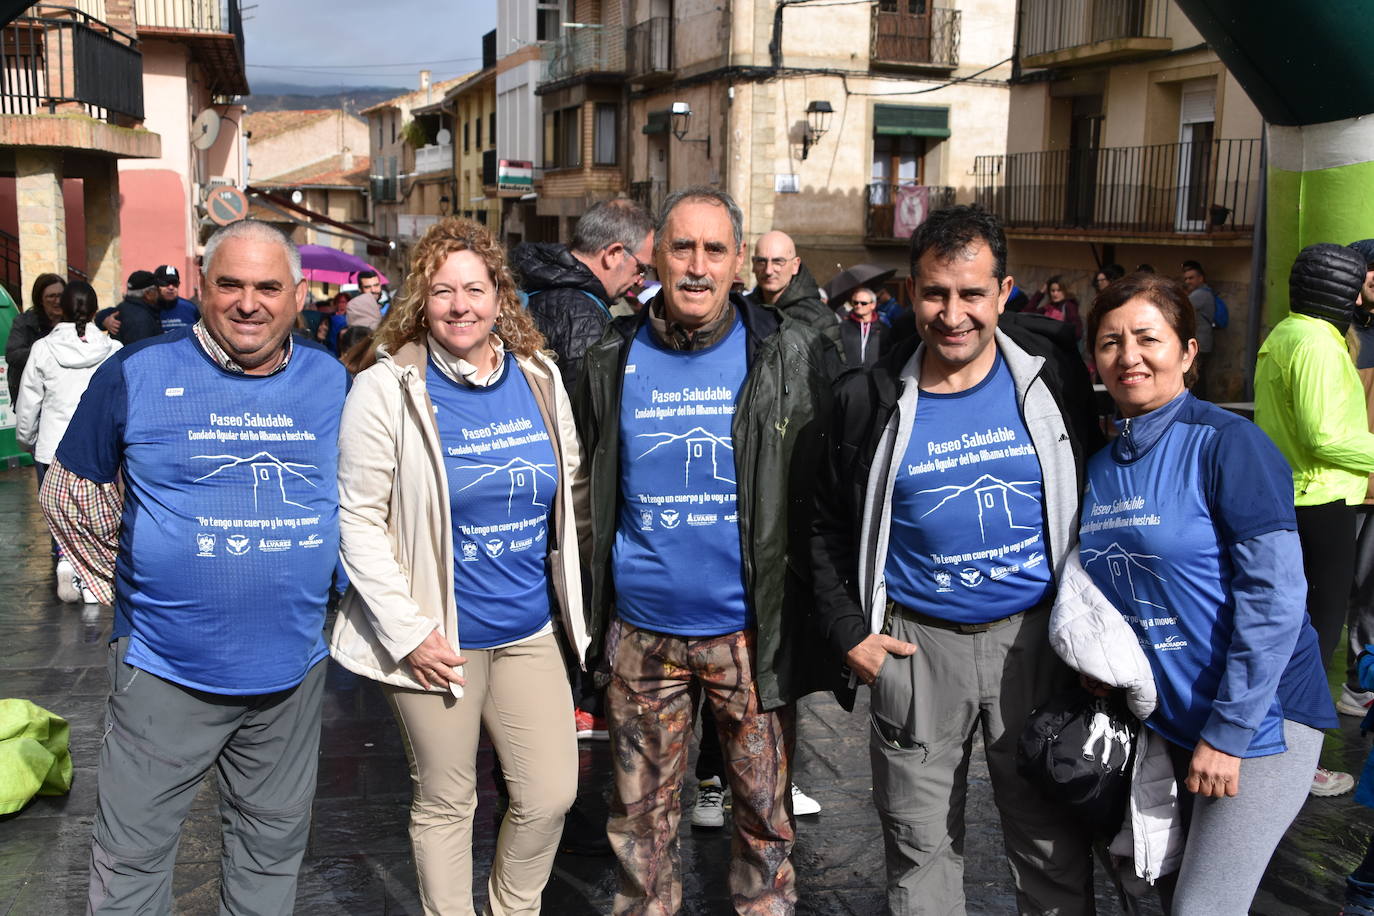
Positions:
{"x": 1055, "y": 301}
{"x": 59, "y": 368}
{"x": 34, "y": 323}
{"x": 460, "y": 494}
{"x": 1188, "y": 531}
{"x": 1108, "y": 275}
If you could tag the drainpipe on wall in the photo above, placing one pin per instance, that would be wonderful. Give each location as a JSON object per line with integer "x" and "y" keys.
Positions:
{"x": 1258, "y": 264}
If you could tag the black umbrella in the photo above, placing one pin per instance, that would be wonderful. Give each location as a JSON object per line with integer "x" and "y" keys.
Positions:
{"x": 846, "y": 281}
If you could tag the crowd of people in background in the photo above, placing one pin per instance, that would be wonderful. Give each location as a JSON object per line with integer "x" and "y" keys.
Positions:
{"x": 599, "y": 491}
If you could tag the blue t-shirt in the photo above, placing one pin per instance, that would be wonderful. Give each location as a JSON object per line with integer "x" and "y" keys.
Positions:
{"x": 676, "y": 560}
{"x": 502, "y": 481}
{"x": 181, "y": 314}
{"x": 967, "y": 541}
{"x": 1156, "y": 535}
{"x": 230, "y": 526}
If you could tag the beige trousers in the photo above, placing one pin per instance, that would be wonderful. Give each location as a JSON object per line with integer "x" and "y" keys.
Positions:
{"x": 521, "y": 695}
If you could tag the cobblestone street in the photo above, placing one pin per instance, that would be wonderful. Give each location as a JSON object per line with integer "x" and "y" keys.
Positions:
{"x": 359, "y": 859}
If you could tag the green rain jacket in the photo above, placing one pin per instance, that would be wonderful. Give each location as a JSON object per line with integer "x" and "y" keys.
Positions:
{"x": 1309, "y": 400}
{"x": 778, "y": 431}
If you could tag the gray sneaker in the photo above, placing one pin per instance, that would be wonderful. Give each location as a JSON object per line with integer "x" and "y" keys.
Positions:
{"x": 709, "y": 811}
{"x": 1352, "y": 702}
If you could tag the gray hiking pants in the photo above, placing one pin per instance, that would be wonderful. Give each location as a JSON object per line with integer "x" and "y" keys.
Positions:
{"x": 925, "y": 711}
{"x": 160, "y": 739}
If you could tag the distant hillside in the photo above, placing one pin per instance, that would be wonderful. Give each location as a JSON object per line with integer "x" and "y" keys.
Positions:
{"x": 270, "y": 96}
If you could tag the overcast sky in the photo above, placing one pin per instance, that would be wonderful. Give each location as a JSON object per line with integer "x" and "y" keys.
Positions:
{"x": 339, "y": 42}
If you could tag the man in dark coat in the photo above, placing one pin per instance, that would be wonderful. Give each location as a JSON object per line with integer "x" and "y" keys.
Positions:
{"x": 785, "y": 284}
{"x": 571, "y": 287}
{"x": 139, "y": 314}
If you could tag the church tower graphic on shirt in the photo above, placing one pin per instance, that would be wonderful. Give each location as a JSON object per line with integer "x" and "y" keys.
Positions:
{"x": 1125, "y": 569}
{"x": 270, "y": 477}
{"x": 998, "y": 504}
{"x": 708, "y": 458}
{"x": 526, "y": 487}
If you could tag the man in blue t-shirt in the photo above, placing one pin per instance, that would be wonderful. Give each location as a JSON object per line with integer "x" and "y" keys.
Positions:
{"x": 177, "y": 313}
{"x": 195, "y": 490}
{"x": 700, "y": 415}
{"x": 943, "y": 605}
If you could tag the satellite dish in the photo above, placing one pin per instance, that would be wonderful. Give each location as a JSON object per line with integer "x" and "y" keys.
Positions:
{"x": 205, "y": 129}
{"x": 443, "y": 137}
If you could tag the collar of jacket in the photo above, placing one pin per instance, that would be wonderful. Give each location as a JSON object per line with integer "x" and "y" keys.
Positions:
{"x": 760, "y": 323}
{"x": 1140, "y": 434}
{"x": 675, "y": 337}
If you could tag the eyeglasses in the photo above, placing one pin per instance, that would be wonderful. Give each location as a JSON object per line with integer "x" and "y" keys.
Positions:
{"x": 641, "y": 269}
{"x": 775, "y": 263}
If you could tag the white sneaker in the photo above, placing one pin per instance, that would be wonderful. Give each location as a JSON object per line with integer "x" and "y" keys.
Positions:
{"x": 1328, "y": 783}
{"x": 68, "y": 585}
{"x": 803, "y": 804}
{"x": 709, "y": 811}
{"x": 88, "y": 596}
{"x": 1354, "y": 702}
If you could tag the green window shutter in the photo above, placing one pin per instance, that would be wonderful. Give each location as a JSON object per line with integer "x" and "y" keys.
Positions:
{"x": 910, "y": 121}
{"x": 660, "y": 122}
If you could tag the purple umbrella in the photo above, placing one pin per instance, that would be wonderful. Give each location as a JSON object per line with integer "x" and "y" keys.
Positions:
{"x": 329, "y": 265}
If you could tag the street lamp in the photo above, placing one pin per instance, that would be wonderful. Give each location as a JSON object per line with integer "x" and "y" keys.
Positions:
{"x": 682, "y": 120}
{"x": 817, "y": 123}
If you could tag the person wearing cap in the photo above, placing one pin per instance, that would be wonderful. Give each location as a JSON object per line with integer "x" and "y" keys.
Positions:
{"x": 139, "y": 315}
{"x": 177, "y": 313}
{"x": 1309, "y": 400}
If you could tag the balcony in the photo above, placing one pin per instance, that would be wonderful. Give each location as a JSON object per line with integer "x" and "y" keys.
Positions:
{"x": 434, "y": 158}
{"x": 64, "y": 58}
{"x": 585, "y": 51}
{"x": 1200, "y": 190}
{"x": 903, "y": 38}
{"x": 384, "y": 189}
{"x": 1056, "y": 33}
{"x": 895, "y": 209}
{"x": 213, "y": 32}
{"x": 649, "y": 51}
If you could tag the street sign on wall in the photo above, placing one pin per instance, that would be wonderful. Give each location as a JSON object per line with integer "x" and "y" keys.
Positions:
{"x": 515, "y": 175}
{"x": 226, "y": 204}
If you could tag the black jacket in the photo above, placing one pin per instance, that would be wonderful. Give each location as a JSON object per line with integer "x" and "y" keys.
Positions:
{"x": 801, "y": 301}
{"x": 848, "y": 335}
{"x": 28, "y": 327}
{"x": 778, "y": 433}
{"x": 138, "y": 320}
{"x": 567, "y": 302}
{"x": 864, "y": 402}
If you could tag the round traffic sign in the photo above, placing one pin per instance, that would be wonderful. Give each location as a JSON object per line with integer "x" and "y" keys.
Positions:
{"x": 226, "y": 204}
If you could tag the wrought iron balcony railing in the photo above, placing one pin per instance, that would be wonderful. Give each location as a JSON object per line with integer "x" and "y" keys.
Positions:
{"x": 63, "y": 57}
{"x": 649, "y": 48}
{"x": 901, "y": 38}
{"x": 584, "y": 50}
{"x": 896, "y": 208}
{"x": 1170, "y": 188}
{"x": 1056, "y": 25}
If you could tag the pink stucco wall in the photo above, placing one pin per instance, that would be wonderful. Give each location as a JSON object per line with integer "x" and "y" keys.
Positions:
{"x": 152, "y": 215}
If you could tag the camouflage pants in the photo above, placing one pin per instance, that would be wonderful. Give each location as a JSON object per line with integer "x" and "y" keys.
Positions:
{"x": 655, "y": 679}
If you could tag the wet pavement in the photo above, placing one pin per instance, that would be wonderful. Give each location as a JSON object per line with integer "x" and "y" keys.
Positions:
{"x": 359, "y": 859}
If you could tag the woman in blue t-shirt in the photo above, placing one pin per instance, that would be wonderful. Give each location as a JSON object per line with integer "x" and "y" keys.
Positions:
{"x": 460, "y": 497}
{"x": 1188, "y": 530}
